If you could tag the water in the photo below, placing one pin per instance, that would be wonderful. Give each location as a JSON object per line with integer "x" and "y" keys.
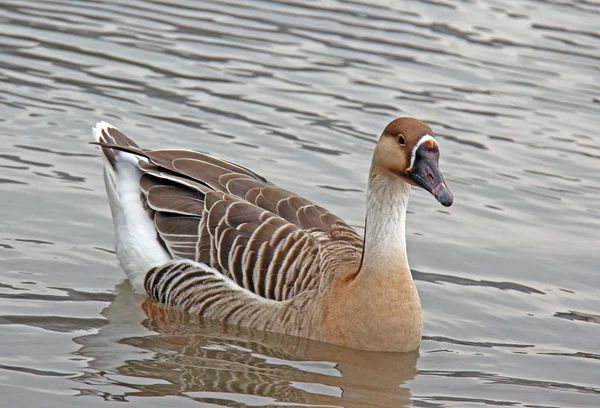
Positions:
{"x": 299, "y": 92}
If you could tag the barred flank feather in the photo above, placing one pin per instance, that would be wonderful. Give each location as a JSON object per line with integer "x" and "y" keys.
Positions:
{"x": 201, "y": 290}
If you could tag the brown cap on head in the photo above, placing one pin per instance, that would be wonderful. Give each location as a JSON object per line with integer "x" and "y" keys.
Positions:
{"x": 409, "y": 127}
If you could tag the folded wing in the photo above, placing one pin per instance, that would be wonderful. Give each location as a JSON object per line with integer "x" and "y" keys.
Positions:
{"x": 265, "y": 239}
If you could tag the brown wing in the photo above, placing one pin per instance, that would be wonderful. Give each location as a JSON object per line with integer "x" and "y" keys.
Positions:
{"x": 264, "y": 238}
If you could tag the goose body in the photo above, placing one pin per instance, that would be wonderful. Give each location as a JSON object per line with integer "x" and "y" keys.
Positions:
{"x": 218, "y": 240}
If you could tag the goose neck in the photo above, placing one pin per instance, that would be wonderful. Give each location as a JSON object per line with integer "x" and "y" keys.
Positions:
{"x": 385, "y": 230}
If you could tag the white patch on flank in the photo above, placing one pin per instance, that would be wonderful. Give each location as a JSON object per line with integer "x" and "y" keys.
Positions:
{"x": 419, "y": 143}
{"x": 138, "y": 248}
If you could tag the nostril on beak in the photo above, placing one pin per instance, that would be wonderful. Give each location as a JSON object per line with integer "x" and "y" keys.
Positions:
{"x": 431, "y": 179}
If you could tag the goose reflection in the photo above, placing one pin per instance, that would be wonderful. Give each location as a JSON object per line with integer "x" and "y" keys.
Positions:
{"x": 155, "y": 352}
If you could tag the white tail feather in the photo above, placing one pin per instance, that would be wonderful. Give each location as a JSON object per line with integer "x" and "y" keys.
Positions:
{"x": 136, "y": 241}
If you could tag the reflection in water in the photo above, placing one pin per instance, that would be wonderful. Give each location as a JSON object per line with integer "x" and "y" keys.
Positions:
{"x": 164, "y": 352}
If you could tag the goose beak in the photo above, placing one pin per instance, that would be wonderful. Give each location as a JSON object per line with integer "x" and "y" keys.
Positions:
{"x": 425, "y": 172}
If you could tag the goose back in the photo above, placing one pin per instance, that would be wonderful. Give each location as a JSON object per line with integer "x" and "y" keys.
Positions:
{"x": 265, "y": 239}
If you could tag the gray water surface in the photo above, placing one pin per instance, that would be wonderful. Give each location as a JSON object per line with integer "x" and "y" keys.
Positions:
{"x": 299, "y": 91}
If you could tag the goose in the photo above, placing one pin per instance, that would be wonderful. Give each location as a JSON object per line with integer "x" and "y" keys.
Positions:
{"x": 218, "y": 240}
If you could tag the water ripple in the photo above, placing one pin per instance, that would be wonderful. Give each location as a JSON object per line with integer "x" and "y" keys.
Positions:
{"x": 510, "y": 89}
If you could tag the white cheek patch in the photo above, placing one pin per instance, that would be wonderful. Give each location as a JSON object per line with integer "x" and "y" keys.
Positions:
{"x": 424, "y": 139}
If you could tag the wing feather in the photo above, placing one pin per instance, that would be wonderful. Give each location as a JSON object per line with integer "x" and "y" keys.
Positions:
{"x": 175, "y": 200}
{"x": 200, "y": 170}
{"x": 265, "y": 239}
{"x": 165, "y": 158}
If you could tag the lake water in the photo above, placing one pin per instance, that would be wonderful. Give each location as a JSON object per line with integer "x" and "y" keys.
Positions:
{"x": 299, "y": 91}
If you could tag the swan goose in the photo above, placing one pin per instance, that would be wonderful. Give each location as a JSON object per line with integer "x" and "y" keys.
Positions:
{"x": 216, "y": 239}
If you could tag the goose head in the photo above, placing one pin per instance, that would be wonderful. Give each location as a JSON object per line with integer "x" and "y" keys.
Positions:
{"x": 408, "y": 150}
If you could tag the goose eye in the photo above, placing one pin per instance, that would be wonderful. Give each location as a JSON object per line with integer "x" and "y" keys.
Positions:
{"x": 401, "y": 139}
